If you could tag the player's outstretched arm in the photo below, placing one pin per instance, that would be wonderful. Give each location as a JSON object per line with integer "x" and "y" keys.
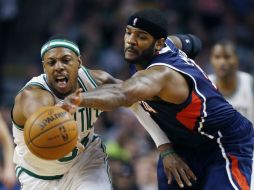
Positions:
{"x": 158, "y": 81}
{"x": 110, "y": 96}
{"x": 28, "y": 101}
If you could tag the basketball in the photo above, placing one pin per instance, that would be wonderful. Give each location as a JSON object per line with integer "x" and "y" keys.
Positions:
{"x": 51, "y": 133}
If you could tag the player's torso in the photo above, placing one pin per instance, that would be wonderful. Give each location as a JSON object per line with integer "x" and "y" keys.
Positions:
{"x": 203, "y": 113}
{"x": 243, "y": 97}
{"x": 85, "y": 118}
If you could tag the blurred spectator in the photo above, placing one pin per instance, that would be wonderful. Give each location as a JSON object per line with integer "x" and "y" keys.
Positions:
{"x": 145, "y": 169}
{"x": 234, "y": 85}
{"x": 8, "y": 14}
{"x": 7, "y": 175}
{"x": 123, "y": 176}
{"x": 129, "y": 151}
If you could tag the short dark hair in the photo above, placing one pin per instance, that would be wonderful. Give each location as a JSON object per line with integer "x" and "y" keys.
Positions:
{"x": 226, "y": 42}
{"x": 152, "y": 21}
{"x": 60, "y": 36}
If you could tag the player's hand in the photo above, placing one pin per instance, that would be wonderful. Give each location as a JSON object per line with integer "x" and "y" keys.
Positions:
{"x": 80, "y": 147}
{"x": 176, "y": 168}
{"x": 71, "y": 102}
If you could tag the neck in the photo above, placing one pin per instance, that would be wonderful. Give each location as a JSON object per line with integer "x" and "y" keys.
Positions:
{"x": 142, "y": 65}
{"x": 62, "y": 96}
{"x": 227, "y": 85}
{"x": 139, "y": 67}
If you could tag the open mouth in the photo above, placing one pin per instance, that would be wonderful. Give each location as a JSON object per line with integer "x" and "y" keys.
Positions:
{"x": 61, "y": 81}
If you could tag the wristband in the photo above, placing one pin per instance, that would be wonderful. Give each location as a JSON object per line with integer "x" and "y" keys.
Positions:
{"x": 167, "y": 153}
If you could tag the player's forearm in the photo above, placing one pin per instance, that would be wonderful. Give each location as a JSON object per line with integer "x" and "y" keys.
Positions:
{"x": 105, "y": 99}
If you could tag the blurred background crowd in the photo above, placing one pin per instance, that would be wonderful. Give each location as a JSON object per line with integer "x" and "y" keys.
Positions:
{"x": 98, "y": 27}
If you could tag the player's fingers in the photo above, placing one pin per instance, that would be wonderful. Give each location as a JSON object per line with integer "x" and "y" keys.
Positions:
{"x": 59, "y": 104}
{"x": 80, "y": 146}
{"x": 184, "y": 176}
{"x": 190, "y": 173}
{"x": 75, "y": 100}
{"x": 68, "y": 107}
{"x": 72, "y": 109}
{"x": 64, "y": 106}
{"x": 75, "y": 97}
{"x": 177, "y": 178}
{"x": 78, "y": 91}
{"x": 169, "y": 176}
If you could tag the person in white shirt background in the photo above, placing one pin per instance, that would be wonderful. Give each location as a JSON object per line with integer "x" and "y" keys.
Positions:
{"x": 235, "y": 85}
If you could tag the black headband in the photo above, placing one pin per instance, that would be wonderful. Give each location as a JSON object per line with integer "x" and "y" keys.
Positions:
{"x": 156, "y": 31}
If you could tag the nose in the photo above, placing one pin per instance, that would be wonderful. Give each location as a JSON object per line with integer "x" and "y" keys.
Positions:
{"x": 59, "y": 66}
{"x": 222, "y": 61}
{"x": 131, "y": 39}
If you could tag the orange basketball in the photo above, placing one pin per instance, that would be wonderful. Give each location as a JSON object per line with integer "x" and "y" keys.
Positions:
{"x": 51, "y": 133}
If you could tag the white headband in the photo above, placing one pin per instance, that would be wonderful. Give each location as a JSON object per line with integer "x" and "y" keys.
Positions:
{"x": 59, "y": 43}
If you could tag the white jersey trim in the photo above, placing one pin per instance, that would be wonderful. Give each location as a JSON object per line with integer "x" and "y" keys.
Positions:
{"x": 227, "y": 161}
{"x": 196, "y": 88}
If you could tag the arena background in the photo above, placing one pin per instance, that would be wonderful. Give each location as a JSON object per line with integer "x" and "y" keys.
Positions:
{"x": 98, "y": 27}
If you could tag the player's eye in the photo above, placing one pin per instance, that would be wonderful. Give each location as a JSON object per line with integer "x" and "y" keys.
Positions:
{"x": 50, "y": 62}
{"x": 66, "y": 61}
{"x": 127, "y": 32}
{"x": 143, "y": 37}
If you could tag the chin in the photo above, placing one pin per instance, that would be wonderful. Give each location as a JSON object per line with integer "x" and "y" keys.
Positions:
{"x": 130, "y": 60}
{"x": 62, "y": 93}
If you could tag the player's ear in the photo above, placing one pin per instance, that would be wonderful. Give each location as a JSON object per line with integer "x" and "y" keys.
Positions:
{"x": 79, "y": 61}
{"x": 43, "y": 66}
{"x": 159, "y": 44}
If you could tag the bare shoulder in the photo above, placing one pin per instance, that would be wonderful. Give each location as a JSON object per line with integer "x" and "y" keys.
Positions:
{"x": 102, "y": 77}
{"x": 33, "y": 94}
{"x": 174, "y": 86}
{"x": 28, "y": 101}
{"x": 157, "y": 72}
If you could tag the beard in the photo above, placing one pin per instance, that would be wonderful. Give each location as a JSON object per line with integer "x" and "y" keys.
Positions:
{"x": 144, "y": 57}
